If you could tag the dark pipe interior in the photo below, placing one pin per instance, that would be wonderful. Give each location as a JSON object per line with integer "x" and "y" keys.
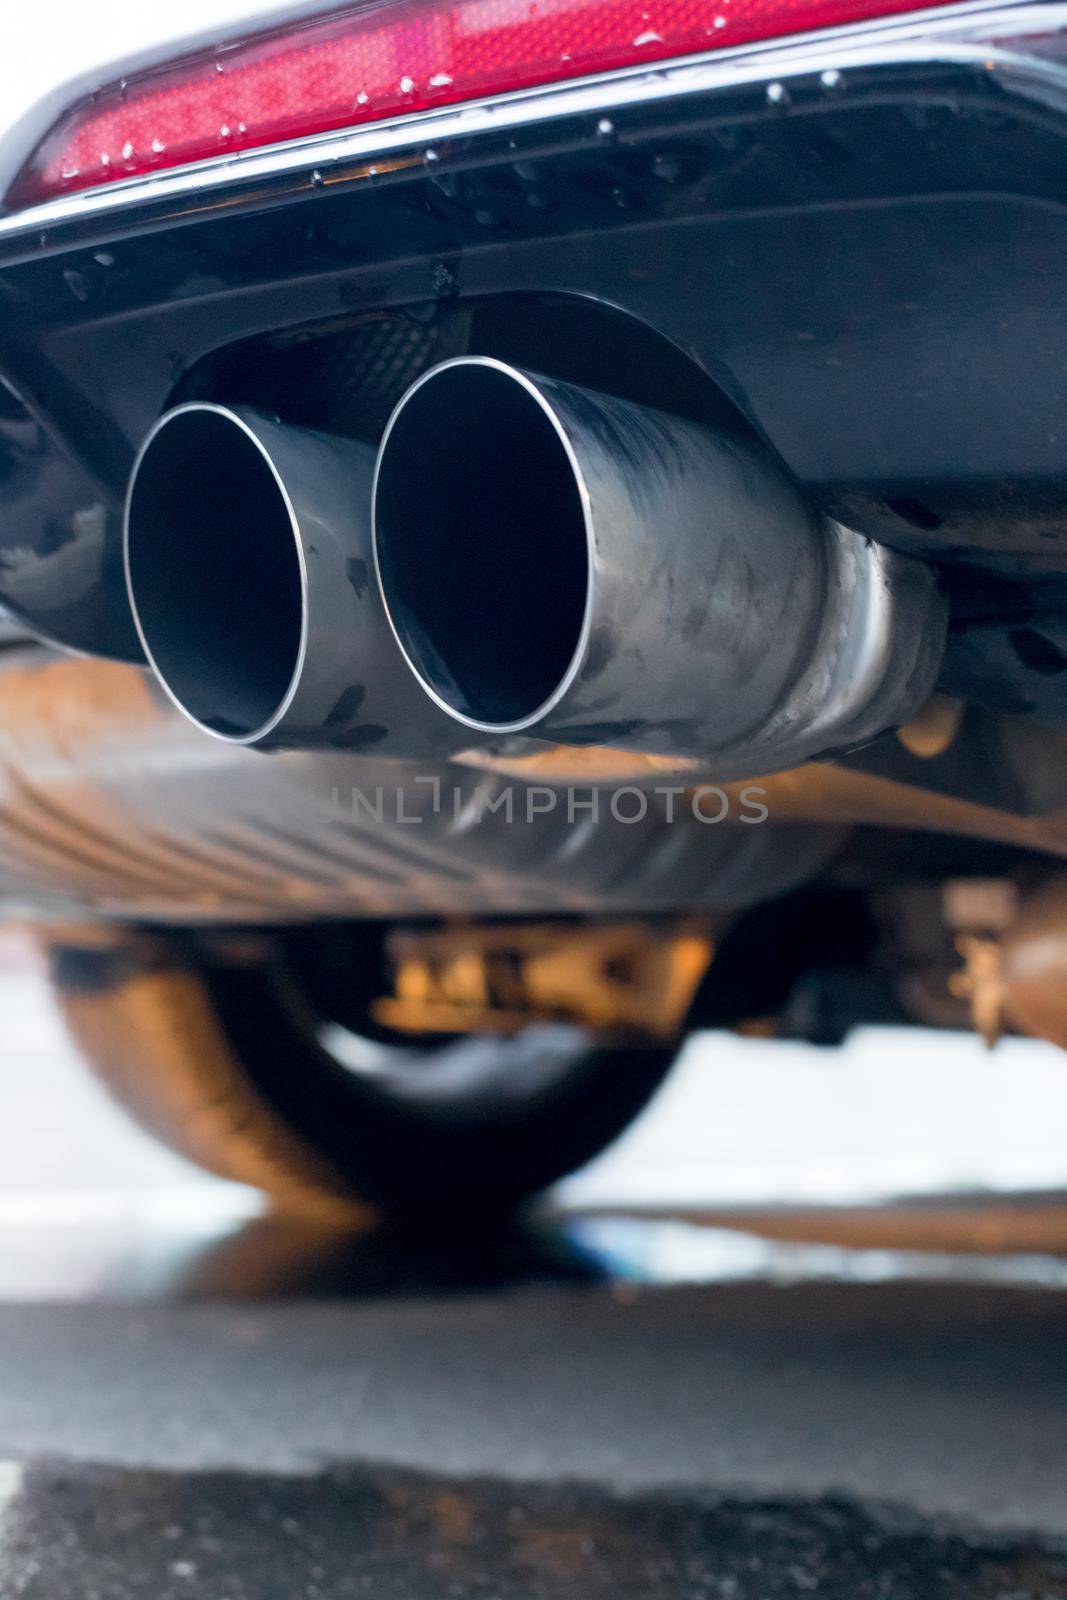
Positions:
{"x": 215, "y": 572}
{"x": 481, "y": 543}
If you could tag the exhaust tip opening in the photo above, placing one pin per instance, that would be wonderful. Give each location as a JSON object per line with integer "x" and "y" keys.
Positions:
{"x": 482, "y": 544}
{"x": 214, "y": 572}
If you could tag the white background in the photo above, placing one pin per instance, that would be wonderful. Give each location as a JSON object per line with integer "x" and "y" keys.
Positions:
{"x": 46, "y": 43}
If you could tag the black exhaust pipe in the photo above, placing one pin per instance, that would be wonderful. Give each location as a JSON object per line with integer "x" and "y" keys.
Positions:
{"x": 250, "y": 573}
{"x": 575, "y": 567}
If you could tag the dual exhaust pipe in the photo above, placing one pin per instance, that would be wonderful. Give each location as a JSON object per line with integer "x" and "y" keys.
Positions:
{"x": 522, "y": 558}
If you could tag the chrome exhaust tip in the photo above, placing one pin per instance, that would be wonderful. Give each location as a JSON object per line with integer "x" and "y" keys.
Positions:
{"x": 484, "y": 544}
{"x": 250, "y": 576}
{"x": 584, "y": 569}
{"x": 216, "y": 572}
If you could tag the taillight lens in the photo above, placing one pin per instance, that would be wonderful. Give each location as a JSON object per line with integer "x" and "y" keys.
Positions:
{"x": 364, "y": 64}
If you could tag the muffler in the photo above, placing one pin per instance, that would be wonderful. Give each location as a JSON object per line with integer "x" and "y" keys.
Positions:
{"x": 250, "y": 573}
{"x": 576, "y": 567}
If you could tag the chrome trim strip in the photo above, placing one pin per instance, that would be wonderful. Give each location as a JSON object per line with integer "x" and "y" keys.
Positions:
{"x": 955, "y": 34}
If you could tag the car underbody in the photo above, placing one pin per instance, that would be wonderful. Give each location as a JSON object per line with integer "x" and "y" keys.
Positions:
{"x": 804, "y": 769}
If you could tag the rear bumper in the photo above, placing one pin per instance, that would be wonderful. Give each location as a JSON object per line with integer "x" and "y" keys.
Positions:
{"x": 856, "y": 240}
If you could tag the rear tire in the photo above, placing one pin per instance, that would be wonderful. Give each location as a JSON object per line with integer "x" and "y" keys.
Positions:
{"x": 227, "y": 1065}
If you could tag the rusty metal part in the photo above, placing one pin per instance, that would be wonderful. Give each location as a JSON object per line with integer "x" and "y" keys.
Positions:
{"x": 985, "y": 907}
{"x": 981, "y": 984}
{"x": 1033, "y": 964}
{"x": 819, "y": 791}
{"x": 111, "y": 804}
{"x": 933, "y": 728}
{"x": 1014, "y": 951}
{"x": 622, "y": 978}
{"x": 978, "y": 910}
{"x": 940, "y": 949}
{"x": 536, "y": 762}
{"x": 841, "y": 795}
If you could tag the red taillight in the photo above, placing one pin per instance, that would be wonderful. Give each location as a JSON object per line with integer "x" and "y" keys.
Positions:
{"x": 362, "y": 65}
